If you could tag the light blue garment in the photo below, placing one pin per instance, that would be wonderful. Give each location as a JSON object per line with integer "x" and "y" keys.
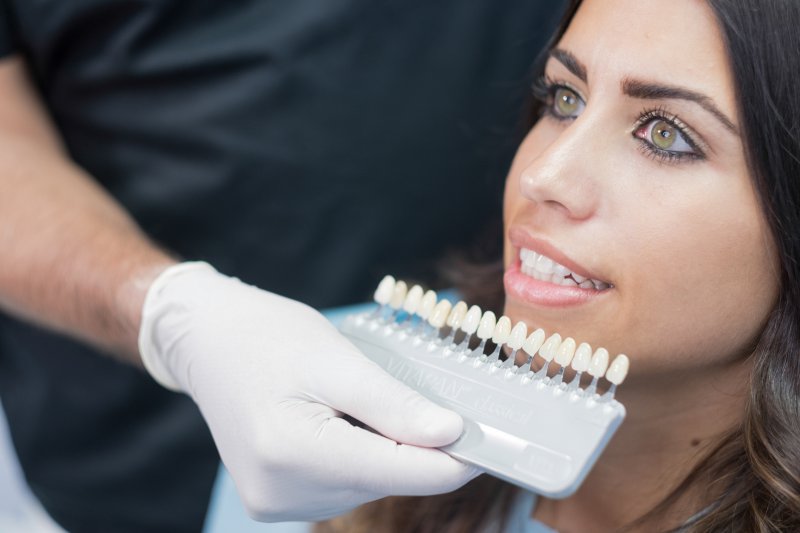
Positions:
{"x": 227, "y": 515}
{"x": 520, "y": 520}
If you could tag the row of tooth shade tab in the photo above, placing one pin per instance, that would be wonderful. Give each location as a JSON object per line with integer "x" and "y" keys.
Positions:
{"x": 406, "y": 303}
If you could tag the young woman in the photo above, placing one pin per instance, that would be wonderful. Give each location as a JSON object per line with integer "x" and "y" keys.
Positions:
{"x": 664, "y": 165}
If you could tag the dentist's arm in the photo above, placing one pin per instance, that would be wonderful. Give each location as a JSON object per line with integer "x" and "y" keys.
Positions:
{"x": 270, "y": 375}
{"x": 70, "y": 258}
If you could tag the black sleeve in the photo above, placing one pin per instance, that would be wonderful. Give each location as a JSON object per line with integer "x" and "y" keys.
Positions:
{"x": 7, "y": 44}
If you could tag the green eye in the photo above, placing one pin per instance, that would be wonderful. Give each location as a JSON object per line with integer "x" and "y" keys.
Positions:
{"x": 566, "y": 103}
{"x": 663, "y": 135}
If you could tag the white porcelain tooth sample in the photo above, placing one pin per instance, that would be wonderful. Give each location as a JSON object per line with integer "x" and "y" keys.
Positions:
{"x": 517, "y": 337}
{"x": 565, "y": 352}
{"x": 533, "y": 342}
{"x": 439, "y": 314}
{"x": 599, "y": 363}
{"x": 618, "y": 370}
{"x": 413, "y": 299}
{"x": 456, "y": 315}
{"x": 486, "y": 325}
{"x": 548, "y": 349}
{"x": 383, "y": 294}
{"x": 398, "y": 295}
{"x": 583, "y": 355}
{"x": 426, "y": 305}
{"x": 471, "y": 320}
{"x": 501, "y": 330}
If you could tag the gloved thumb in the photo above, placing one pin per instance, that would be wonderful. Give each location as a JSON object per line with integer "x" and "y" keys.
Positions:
{"x": 366, "y": 392}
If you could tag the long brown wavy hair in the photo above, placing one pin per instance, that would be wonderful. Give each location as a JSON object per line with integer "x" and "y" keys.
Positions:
{"x": 754, "y": 470}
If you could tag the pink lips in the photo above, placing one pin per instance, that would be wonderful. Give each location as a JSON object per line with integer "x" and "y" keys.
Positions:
{"x": 523, "y": 287}
{"x": 543, "y": 293}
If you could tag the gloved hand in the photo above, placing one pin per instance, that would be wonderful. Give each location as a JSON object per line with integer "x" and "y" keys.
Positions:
{"x": 272, "y": 378}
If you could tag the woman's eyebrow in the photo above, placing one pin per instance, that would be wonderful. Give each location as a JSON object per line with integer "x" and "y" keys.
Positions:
{"x": 646, "y": 90}
{"x": 571, "y": 62}
{"x": 650, "y": 91}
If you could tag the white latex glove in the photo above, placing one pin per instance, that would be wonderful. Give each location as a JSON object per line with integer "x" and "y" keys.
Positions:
{"x": 272, "y": 378}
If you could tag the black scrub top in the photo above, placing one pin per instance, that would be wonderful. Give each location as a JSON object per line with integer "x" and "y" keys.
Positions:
{"x": 305, "y": 146}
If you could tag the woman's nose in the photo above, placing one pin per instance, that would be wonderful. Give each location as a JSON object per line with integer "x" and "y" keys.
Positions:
{"x": 563, "y": 179}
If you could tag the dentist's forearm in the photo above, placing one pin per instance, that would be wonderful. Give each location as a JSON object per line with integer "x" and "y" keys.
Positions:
{"x": 71, "y": 259}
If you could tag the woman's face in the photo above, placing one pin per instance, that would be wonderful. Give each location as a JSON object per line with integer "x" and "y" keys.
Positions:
{"x": 635, "y": 177}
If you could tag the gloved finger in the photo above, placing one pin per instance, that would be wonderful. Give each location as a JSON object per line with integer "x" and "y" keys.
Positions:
{"x": 379, "y": 466}
{"x": 363, "y": 390}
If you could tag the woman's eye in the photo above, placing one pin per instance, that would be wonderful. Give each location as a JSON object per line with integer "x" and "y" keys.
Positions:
{"x": 664, "y": 136}
{"x": 566, "y": 103}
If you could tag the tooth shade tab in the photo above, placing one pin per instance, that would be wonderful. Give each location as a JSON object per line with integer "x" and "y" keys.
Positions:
{"x": 486, "y": 325}
{"x": 398, "y": 295}
{"x": 426, "y": 305}
{"x": 383, "y": 294}
{"x": 501, "y": 330}
{"x": 457, "y": 315}
{"x": 583, "y": 355}
{"x": 517, "y": 337}
{"x": 548, "y": 349}
{"x": 599, "y": 363}
{"x": 470, "y": 323}
{"x": 565, "y": 352}
{"x": 439, "y": 314}
{"x": 534, "y": 342}
{"x": 618, "y": 370}
{"x": 413, "y": 299}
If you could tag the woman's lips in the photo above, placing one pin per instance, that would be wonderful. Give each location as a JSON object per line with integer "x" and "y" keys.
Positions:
{"x": 520, "y": 239}
{"x": 533, "y": 291}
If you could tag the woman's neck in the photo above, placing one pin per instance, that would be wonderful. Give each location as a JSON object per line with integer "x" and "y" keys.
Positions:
{"x": 670, "y": 425}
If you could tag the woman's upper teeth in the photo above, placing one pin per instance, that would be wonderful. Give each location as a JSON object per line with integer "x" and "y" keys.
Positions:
{"x": 543, "y": 268}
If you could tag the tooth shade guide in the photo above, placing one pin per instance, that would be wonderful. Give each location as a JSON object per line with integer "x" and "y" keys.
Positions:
{"x": 454, "y": 323}
{"x": 502, "y": 330}
{"x": 454, "y": 320}
{"x": 565, "y": 352}
{"x": 533, "y": 342}
{"x": 582, "y": 358}
{"x": 548, "y": 349}
{"x": 383, "y": 294}
{"x": 510, "y": 417}
{"x": 471, "y": 320}
{"x": 426, "y": 305}
{"x": 398, "y": 295}
{"x": 469, "y": 326}
{"x": 439, "y": 314}
{"x": 486, "y": 326}
{"x": 457, "y": 314}
{"x": 413, "y": 300}
{"x": 563, "y": 357}
{"x": 618, "y": 369}
{"x": 424, "y": 311}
